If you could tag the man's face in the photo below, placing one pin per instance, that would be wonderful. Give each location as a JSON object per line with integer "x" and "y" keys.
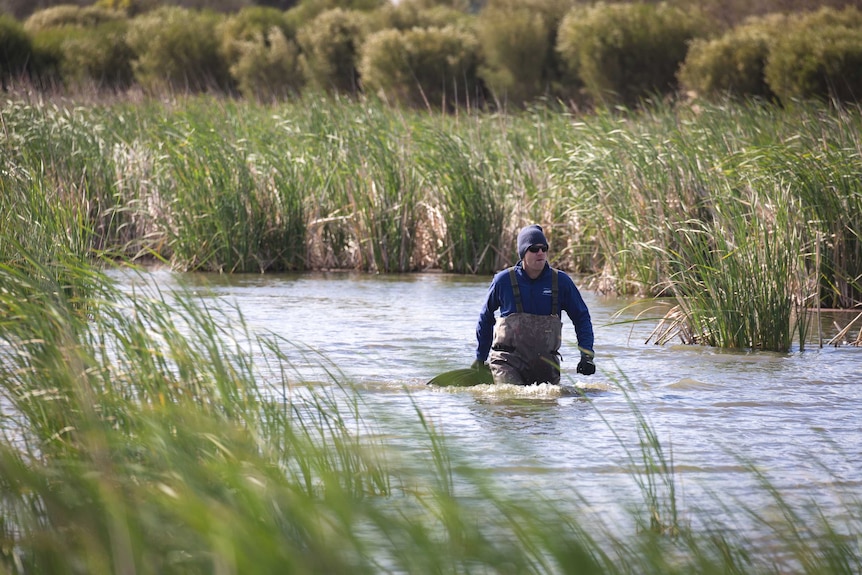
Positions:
{"x": 535, "y": 258}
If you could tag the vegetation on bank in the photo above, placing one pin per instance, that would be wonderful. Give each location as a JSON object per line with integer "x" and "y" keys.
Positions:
{"x": 141, "y": 434}
{"x": 747, "y": 214}
{"x": 503, "y": 54}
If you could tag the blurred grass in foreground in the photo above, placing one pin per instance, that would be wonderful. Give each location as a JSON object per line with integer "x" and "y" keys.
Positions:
{"x": 140, "y": 435}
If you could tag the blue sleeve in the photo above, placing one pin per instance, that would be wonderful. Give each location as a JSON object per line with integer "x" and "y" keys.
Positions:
{"x": 573, "y": 303}
{"x": 485, "y": 326}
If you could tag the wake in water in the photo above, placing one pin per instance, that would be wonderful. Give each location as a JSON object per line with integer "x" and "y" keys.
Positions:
{"x": 542, "y": 390}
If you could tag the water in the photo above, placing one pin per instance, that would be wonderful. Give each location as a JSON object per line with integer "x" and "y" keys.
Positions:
{"x": 794, "y": 416}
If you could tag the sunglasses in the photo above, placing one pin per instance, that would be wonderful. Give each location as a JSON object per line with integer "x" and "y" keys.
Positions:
{"x": 537, "y": 249}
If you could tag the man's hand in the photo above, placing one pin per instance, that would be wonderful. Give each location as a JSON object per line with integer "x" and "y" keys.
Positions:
{"x": 586, "y": 365}
{"x": 479, "y": 365}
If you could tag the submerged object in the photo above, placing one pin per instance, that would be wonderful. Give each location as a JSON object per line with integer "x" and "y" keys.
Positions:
{"x": 464, "y": 377}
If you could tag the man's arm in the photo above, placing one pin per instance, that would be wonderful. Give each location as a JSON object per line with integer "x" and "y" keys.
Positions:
{"x": 485, "y": 325}
{"x": 576, "y": 308}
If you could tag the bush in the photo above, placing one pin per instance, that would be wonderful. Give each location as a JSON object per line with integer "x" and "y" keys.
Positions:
{"x": 626, "y": 52}
{"x": 15, "y": 49}
{"x": 409, "y": 14}
{"x": 268, "y": 67}
{"x": 818, "y": 56}
{"x": 70, "y": 15}
{"x": 330, "y": 49}
{"x": 248, "y": 24}
{"x": 177, "y": 49}
{"x": 259, "y": 46}
{"x": 307, "y": 10}
{"x": 431, "y": 67}
{"x": 80, "y": 46}
{"x": 734, "y": 63}
{"x": 47, "y": 61}
{"x": 99, "y": 57}
{"x": 130, "y": 7}
{"x": 518, "y": 40}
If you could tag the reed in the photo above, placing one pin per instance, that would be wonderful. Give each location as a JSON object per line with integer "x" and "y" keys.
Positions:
{"x": 382, "y": 187}
{"x": 225, "y": 212}
{"x": 472, "y": 207}
{"x": 736, "y": 280}
{"x": 164, "y": 449}
{"x": 821, "y": 165}
{"x": 641, "y": 201}
{"x": 693, "y": 206}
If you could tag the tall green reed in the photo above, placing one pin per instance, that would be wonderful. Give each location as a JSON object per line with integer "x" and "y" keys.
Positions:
{"x": 736, "y": 279}
{"x": 362, "y": 195}
{"x": 472, "y": 207}
{"x": 822, "y": 164}
{"x": 84, "y": 159}
{"x": 227, "y": 212}
{"x": 137, "y": 440}
{"x": 226, "y": 186}
{"x": 635, "y": 179}
{"x": 703, "y": 205}
{"x": 383, "y": 189}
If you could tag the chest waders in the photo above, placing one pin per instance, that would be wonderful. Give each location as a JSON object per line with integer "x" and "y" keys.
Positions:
{"x": 525, "y": 349}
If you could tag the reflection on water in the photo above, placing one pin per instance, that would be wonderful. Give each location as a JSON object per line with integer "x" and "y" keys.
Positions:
{"x": 794, "y": 415}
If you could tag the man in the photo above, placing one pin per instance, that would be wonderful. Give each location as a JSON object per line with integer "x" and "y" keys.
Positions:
{"x": 523, "y": 346}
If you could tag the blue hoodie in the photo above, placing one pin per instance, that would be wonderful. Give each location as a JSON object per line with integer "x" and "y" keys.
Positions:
{"x": 536, "y": 299}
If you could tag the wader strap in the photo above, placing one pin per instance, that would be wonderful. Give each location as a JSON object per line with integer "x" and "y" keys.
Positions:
{"x": 516, "y": 290}
{"x": 555, "y": 292}
{"x": 555, "y": 295}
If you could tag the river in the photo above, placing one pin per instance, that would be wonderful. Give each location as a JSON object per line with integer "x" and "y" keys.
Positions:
{"x": 717, "y": 413}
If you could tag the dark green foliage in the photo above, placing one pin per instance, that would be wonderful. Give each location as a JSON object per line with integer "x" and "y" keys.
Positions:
{"x": 178, "y": 50}
{"x": 725, "y": 14}
{"x": 279, "y": 4}
{"x": 445, "y": 54}
{"x": 135, "y": 7}
{"x": 431, "y": 67}
{"x": 15, "y": 49}
{"x": 330, "y": 50}
{"x": 818, "y": 56}
{"x": 626, "y": 52}
{"x": 222, "y": 6}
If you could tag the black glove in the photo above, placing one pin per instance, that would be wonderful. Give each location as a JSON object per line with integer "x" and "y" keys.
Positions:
{"x": 586, "y": 365}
